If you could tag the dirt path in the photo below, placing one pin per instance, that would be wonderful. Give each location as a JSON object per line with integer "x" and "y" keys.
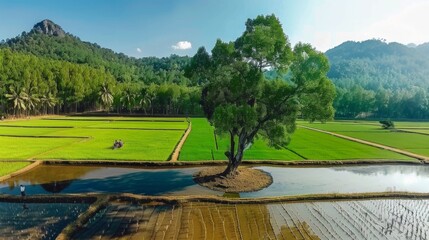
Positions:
{"x": 179, "y": 146}
{"x": 423, "y": 159}
{"x": 20, "y": 171}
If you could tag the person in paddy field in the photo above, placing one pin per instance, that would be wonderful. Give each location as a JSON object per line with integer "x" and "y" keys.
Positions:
{"x": 22, "y": 188}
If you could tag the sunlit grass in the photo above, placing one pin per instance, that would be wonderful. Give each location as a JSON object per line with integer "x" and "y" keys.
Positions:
{"x": 10, "y": 167}
{"x": 305, "y": 144}
{"x": 412, "y": 142}
{"x": 90, "y": 138}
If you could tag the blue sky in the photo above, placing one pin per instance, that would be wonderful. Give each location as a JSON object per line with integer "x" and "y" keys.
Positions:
{"x": 162, "y": 27}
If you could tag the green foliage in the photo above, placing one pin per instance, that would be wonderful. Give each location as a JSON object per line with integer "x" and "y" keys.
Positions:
{"x": 381, "y": 80}
{"x": 61, "y": 74}
{"x": 265, "y": 43}
{"x": 387, "y": 124}
{"x": 31, "y": 85}
{"x": 71, "y": 49}
{"x": 239, "y": 101}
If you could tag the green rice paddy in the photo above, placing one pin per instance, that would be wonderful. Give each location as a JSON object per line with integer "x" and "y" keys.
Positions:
{"x": 305, "y": 144}
{"x": 90, "y": 138}
{"x": 10, "y": 167}
{"x": 412, "y": 142}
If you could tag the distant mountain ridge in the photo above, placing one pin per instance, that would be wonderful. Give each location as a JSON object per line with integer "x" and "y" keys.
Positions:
{"x": 374, "y": 58}
{"x": 375, "y": 48}
{"x": 47, "y": 39}
{"x": 380, "y": 79}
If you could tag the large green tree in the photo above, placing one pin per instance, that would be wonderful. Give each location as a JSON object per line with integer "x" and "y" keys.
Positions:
{"x": 239, "y": 101}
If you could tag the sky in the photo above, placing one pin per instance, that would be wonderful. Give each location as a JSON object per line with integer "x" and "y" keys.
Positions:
{"x": 141, "y": 28}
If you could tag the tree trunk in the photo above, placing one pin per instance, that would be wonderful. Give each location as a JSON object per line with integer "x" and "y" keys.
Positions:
{"x": 234, "y": 159}
{"x": 231, "y": 169}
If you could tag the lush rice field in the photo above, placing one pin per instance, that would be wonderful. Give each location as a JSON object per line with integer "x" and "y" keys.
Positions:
{"x": 19, "y": 148}
{"x": 305, "y": 144}
{"x": 412, "y": 142}
{"x": 138, "y": 144}
{"x": 412, "y": 124}
{"x": 10, "y": 167}
{"x": 90, "y": 138}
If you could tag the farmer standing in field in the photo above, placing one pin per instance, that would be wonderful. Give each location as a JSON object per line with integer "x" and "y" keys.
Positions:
{"x": 22, "y": 188}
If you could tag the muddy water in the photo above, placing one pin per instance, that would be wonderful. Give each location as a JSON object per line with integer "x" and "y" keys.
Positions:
{"x": 49, "y": 179}
{"x": 36, "y": 220}
{"x": 371, "y": 219}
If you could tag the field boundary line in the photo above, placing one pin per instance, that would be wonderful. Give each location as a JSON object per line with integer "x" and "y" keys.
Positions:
{"x": 179, "y": 146}
{"x": 20, "y": 171}
{"x": 295, "y": 163}
{"x": 41, "y": 136}
{"x": 422, "y": 158}
{"x": 92, "y": 197}
{"x": 407, "y": 131}
{"x": 81, "y": 140}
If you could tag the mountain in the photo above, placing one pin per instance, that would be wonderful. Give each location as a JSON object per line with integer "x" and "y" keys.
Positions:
{"x": 380, "y": 63}
{"x": 49, "y": 40}
{"x": 49, "y": 28}
{"x": 49, "y": 70}
{"x": 380, "y": 79}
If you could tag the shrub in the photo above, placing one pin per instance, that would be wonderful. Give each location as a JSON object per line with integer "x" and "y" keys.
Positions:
{"x": 387, "y": 124}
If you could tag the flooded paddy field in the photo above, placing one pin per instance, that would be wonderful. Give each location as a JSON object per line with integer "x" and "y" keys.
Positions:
{"x": 36, "y": 220}
{"x": 367, "y": 219}
{"x": 194, "y": 217}
{"x": 53, "y": 179}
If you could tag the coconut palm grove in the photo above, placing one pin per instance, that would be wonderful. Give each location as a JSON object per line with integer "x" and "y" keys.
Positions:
{"x": 267, "y": 129}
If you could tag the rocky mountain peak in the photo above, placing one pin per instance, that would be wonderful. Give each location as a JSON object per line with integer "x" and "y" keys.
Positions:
{"x": 49, "y": 28}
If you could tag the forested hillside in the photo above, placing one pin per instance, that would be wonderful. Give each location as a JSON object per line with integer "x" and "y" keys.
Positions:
{"x": 81, "y": 76}
{"x": 373, "y": 78}
{"x": 380, "y": 80}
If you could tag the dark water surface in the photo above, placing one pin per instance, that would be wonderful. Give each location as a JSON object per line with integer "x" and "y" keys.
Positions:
{"x": 51, "y": 179}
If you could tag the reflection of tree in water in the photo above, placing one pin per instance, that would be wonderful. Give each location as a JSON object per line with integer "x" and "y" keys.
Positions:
{"x": 56, "y": 186}
{"x": 386, "y": 170}
{"x": 52, "y": 178}
{"x": 55, "y": 179}
{"x": 47, "y": 174}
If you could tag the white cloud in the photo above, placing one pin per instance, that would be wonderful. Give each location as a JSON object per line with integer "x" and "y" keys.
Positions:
{"x": 139, "y": 50}
{"x": 182, "y": 45}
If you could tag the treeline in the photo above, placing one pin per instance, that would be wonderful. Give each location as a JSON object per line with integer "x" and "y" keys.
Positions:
{"x": 380, "y": 80}
{"x": 31, "y": 85}
{"x": 71, "y": 49}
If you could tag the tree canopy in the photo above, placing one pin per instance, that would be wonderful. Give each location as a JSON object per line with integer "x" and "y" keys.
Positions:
{"x": 241, "y": 102}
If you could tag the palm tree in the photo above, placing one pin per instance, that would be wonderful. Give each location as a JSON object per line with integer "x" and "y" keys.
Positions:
{"x": 32, "y": 98}
{"x": 48, "y": 102}
{"x": 145, "y": 101}
{"x": 106, "y": 96}
{"x": 18, "y": 97}
{"x": 128, "y": 99}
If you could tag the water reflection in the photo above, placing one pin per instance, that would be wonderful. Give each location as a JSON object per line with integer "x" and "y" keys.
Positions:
{"x": 56, "y": 186}
{"x": 80, "y": 179}
{"x": 385, "y": 170}
{"x": 48, "y": 179}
